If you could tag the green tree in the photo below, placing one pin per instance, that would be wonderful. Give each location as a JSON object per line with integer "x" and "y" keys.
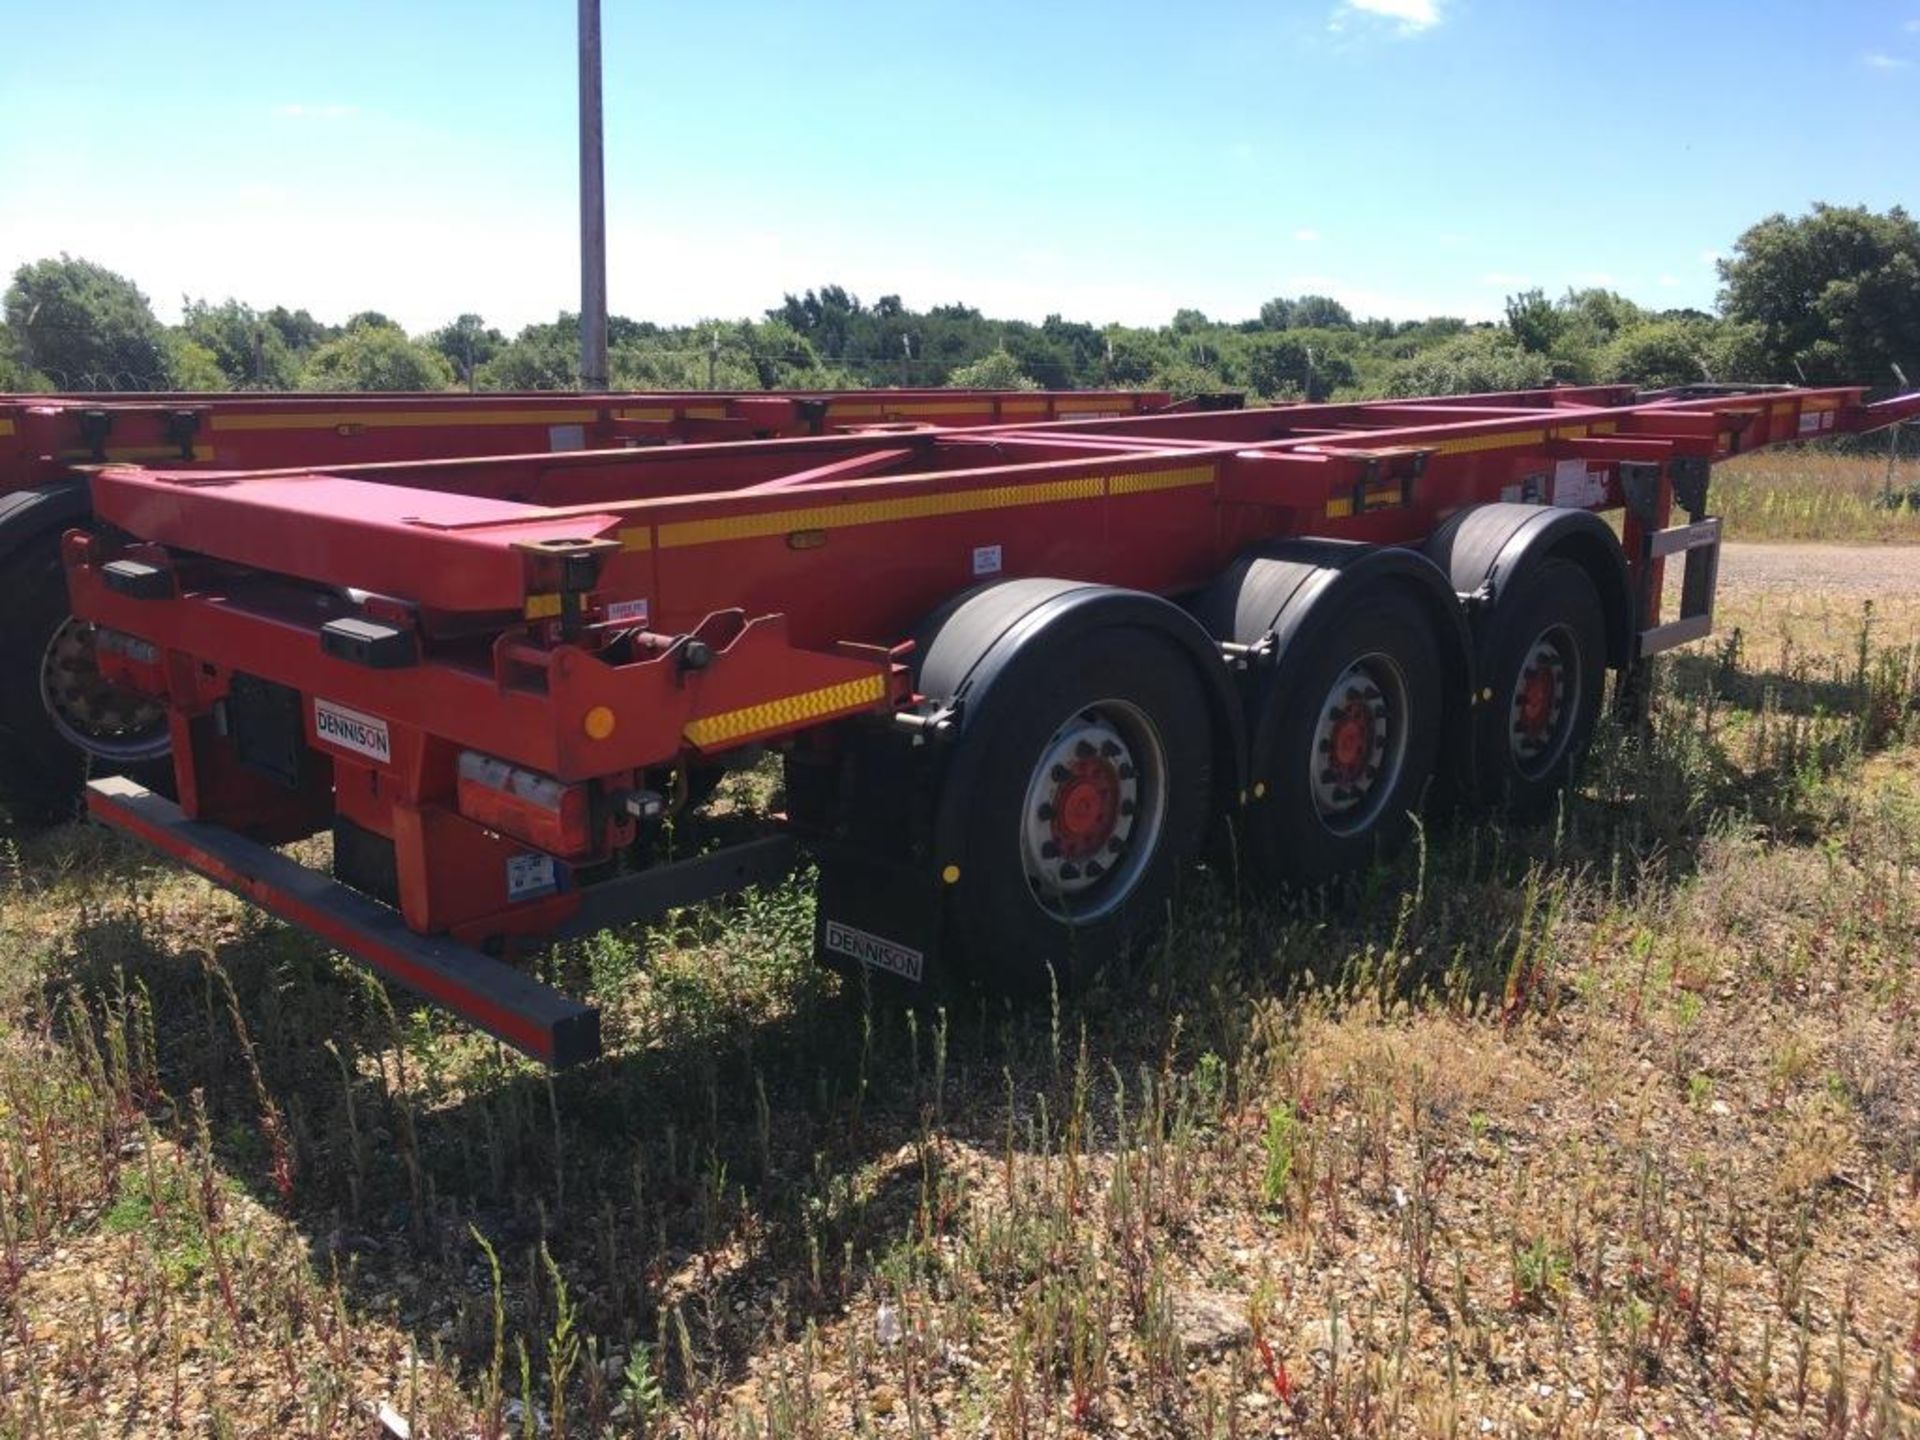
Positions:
{"x": 828, "y": 318}
{"x": 1476, "y": 360}
{"x": 1319, "y": 312}
{"x": 192, "y": 366}
{"x": 467, "y": 344}
{"x": 1534, "y": 321}
{"x": 251, "y": 353}
{"x": 1836, "y": 290}
{"x": 1277, "y": 313}
{"x": 1734, "y": 352}
{"x": 1297, "y": 363}
{"x": 1183, "y": 379}
{"x": 998, "y": 371}
{"x": 1133, "y": 356}
{"x": 301, "y": 332}
{"x": 541, "y": 357}
{"x": 85, "y": 327}
{"x": 15, "y": 375}
{"x": 1658, "y": 354}
{"x": 376, "y": 357}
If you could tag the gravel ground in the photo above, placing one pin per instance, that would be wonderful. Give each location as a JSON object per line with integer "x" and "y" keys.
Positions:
{"x": 1878, "y": 570}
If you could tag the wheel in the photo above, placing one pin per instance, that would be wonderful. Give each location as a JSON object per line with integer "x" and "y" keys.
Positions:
{"x": 1097, "y": 782}
{"x": 1542, "y": 669}
{"x": 1345, "y": 756}
{"x": 59, "y": 720}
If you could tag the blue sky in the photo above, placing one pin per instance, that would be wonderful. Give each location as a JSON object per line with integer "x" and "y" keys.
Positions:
{"x": 1109, "y": 161}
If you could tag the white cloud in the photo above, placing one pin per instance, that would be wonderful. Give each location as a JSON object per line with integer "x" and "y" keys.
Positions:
{"x": 297, "y": 111}
{"x": 1880, "y": 60}
{"x": 1912, "y": 27}
{"x": 1502, "y": 280}
{"x": 1669, "y": 282}
{"x": 1711, "y": 257}
{"x": 1413, "y": 15}
{"x": 1306, "y": 235}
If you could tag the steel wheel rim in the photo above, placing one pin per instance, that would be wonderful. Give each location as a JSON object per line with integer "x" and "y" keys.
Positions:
{"x": 1094, "y": 811}
{"x": 1544, "y": 699}
{"x": 99, "y": 719}
{"x": 1359, "y": 744}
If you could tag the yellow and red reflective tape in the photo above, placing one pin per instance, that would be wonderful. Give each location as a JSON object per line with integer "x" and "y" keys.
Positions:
{"x": 805, "y": 708}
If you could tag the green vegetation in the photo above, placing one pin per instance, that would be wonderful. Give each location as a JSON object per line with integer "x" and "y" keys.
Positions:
{"x": 1816, "y": 492}
{"x": 1830, "y": 296}
{"x": 70, "y": 317}
{"x": 375, "y": 355}
{"x": 1607, "y": 1127}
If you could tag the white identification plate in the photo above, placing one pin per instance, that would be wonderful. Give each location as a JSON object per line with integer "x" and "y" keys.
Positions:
{"x": 531, "y": 876}
{"x": 566, "y": 437}
{"x": 350, "y": 730}
{"x": 873, "y": 951}
{"x": 986, "y": 560}
{"x": 627, "y": 612}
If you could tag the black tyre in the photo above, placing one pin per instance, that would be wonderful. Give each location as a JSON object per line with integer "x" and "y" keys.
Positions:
{"x": 1346, "y": 755}
{"x": 53, "y": 701}
{"x": 1542, "y": 668}
{"x": 1096, "y": 783}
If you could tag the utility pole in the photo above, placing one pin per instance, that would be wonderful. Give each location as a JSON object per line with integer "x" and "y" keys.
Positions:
{"x": 713, "y": 357}
{"x": 906, "y": 358}
{"x": 1893, "y": 447}
{"x": 593, "y": 208}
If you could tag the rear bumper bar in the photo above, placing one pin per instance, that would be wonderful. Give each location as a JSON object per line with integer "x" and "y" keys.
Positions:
{"x": 489, "y": 994}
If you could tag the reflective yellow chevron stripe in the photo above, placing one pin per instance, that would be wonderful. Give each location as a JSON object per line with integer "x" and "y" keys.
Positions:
{"x": 810, "y": 705}
{"x": 1471, "y": 444}
{"x": 1192, "y": 475}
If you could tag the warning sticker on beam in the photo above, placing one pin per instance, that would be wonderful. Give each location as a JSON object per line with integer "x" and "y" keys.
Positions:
{"x": 1577, "y": 487}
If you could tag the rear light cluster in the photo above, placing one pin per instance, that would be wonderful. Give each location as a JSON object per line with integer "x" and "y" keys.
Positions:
{"x": 527, "y": 805}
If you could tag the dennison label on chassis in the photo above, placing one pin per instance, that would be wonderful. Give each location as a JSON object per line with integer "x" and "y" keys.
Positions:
{"x": 349, "y": 729}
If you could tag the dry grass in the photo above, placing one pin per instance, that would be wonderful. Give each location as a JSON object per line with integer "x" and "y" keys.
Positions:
{"x": 1813, "y": 493}
{"x": 1609, "y": 1125}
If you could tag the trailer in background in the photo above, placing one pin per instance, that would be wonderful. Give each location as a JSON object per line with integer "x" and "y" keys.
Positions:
{"x": 57, "y": 717}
